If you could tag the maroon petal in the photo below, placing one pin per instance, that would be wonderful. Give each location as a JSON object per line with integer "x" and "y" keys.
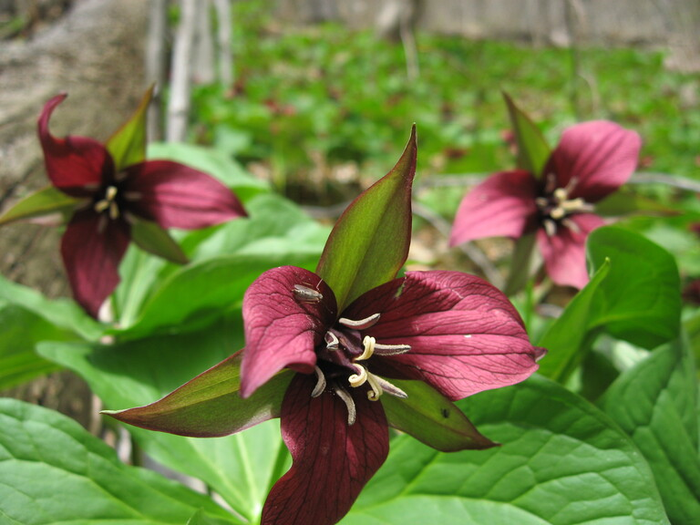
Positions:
{"x": 501, "y": 206}
{"x": 599, "y": 155}
{"x": 92, "y": 248}
{"x": 465, "y": 335}
{"x": 75, "y": 165}
{"x": 332, "y": 460}
{"x": 286, "y": 313}
{"x": 565, "y": 252}
{"x": 177, "y": 196}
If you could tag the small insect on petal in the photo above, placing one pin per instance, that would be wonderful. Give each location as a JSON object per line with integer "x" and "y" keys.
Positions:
{"x": 305, "y": 294}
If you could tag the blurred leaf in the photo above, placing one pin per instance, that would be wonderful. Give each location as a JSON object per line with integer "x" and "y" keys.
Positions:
{"x": 533, "y": 151}
{"x": 62, "y": 313}
{"x": 54, "y": 471}
{"x": 42, "y": 202}
{"x": 562, "y": 462}
{"x": 21, "y": 330}
{"x": 626, "y": 201}
{"x": 656, "y": 403}
{"x": 370, "y": 241}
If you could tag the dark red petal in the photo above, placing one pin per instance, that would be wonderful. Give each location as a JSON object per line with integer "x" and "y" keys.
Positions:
{"x": 72, "y": 163}
{"x": 332, "y": 461}
{"x": 283, "y": 327}
{"x": 600, "y": 155}
{"x": 565, "y": 252}
{"x": 465, "y": 335}
{"x": 177, "y": 196}
{"x": 92, "y": 248}
{"x": 501, "y": 206}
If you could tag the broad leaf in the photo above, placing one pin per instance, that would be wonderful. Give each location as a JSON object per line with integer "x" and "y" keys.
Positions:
{"x": 638, "y": 301}
{"x": 533, "y": 150}
{"x": 128, "y": 145}
{"x": 21, "y": 330}
{"x": 562, "y": 462}
{"x": 53, "y": 471}
{"x": 656, "y": 403}
{"x": 238, "y": 467}
{"x": 568, "y": 338}
{"x": 46, "y": 201}
{"x": 370, "y": 241}
{"x": 62, "y": 313}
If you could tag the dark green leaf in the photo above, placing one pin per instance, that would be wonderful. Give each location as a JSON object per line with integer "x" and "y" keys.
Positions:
{"x": 656, "y": 403}
{"x": 533, "y": 151}
{"x": 568, "y": 338}
{"x": 562, "y": 462}
{"x": 237, "y": 467}
{"x": 43, "y": 202}
{"x": 640, "y": 301}
{"x": 151, "y": 237}
{"x": 430, "y": 417}
{"x": 370, "y": 241}
{"x": 53, "y": 471}
{"x": 21, "y": 330}
{"x": 128, "y": 145}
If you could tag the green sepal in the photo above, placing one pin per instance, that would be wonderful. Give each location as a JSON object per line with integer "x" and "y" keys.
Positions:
{"x": 533, "y": 150}
{"x": 370, "y": 241}
{"x": 431, "y": 418}
{"x": 128, "y": 144}
{"x": 43, "y": 202}
{"x": 210, "y": 405}
{"x": 151, "y": 237}
{"x": 522, "y": 266}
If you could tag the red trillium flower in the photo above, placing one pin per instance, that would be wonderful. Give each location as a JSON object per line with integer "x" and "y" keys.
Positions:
{"x": 115, "y": 197}
{"x": 592, "y": 160}
{"x": 451, "y": 330}
{"x": 342, "y": 354}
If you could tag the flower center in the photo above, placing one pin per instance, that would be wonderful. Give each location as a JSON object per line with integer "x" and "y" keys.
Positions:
{"x": 344, "y": 357}
{"x": 555, "y": 206}
{"x": 109, "y": 203}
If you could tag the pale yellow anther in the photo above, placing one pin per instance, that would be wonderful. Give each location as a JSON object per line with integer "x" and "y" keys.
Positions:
{"x": 560, "y": 194}
{"x": 360, "y": 378}
{"x": 376, "y": 391}
{"x": 108, "y": 203}
{"x": 557, "y": 213}
{"x": 111, "y": 193}
{"x": 368, "y": 343}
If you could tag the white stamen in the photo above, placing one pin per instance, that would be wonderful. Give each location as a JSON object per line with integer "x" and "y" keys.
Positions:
{"x": 557, "y": 213}
{"x": 550, "y": 227}
{"x": 360, "y": 378}
{"x": 389, "y": 388}
{"x": 320, "y": 383}
{"x": 362, "y": 324}
{"x": 560, "y": 195}
{"x": 381, "y": 349}
{"x": 369, "y": 343}
{"x": 349, "y": 403}
{"x": 571, "y": 225}
{"x": 375, "y": 393}
{"x": 331, "y": 341}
